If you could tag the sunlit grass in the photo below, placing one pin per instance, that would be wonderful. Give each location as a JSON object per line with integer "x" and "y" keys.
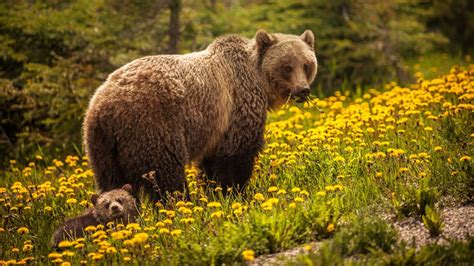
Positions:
{"x": 325, "y": 163}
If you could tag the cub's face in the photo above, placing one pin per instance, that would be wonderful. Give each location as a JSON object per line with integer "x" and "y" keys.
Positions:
{"x": 114, "y": 205}
{"x": 289, "y": 65}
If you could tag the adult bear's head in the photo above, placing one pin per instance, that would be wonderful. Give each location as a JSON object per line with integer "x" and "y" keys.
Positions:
{"x": 288, "y": 64}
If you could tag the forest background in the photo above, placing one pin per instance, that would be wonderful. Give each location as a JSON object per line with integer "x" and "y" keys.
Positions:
{"x": 55, "y": 53}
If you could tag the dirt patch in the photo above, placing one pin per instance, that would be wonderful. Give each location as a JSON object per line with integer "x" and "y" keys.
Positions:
{"x": 458, "y": 225}
{"x": 278, "y": 258}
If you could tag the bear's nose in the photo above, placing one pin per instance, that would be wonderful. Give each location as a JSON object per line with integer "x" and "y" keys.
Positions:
{"x": 303, "y": 91}
{"x": 115, "y": 208}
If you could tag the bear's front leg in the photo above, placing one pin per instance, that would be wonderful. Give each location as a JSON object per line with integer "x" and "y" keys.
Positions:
{"x": 230, "y": 171}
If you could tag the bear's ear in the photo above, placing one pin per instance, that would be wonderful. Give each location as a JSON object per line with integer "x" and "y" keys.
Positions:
{"x": 94, "y": 198}
{"x": 128, "y": 188}
{"x": 263, "y": 39}
{"x": 308, "y": 37}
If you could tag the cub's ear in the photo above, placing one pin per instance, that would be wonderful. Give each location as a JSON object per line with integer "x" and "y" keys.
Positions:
{"x": 128, "y": 188}
{"x": 263, "y": 39}
{"x": 308, "y": 37}
{"x": 94, "y": 198}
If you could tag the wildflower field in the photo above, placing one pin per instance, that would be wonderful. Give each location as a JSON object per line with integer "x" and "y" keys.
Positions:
{"x": 332, "y": 171}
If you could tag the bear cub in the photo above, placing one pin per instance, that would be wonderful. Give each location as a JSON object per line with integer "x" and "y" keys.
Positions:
{"x": 117, "y": 205}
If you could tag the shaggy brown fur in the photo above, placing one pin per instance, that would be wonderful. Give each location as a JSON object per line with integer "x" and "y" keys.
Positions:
{"x": 158, "y": 113}
{"x": 117, "y": 205}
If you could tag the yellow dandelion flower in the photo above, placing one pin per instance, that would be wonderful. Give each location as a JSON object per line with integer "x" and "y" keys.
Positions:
{"x": 171, "y": 214}
{"x": 321, "y": 193}
{"x": 198, "y": 209}
{"x": 176, "y": 232}
{"x": 97, "y": 256}
{"x": 23, "y": 230}
{"x": 185, "y": 210}
{"x": 127, "y": 259}
{"x": 217, "y": 214}
{"x": 259, "y": 196}
{"x": 299, "y": 199}
{"x": 65, "y": 244}
{"x": 403, "y": 170}
{"x": 272, "y": 189}
{"x": 438, "y": 148}
{"x": 164, "y": 231}
{"x": 238, "y": 211}
{"x": 128, "y": 243}
{"x": 27, "y": 247}
{"x": 71, "y": 201}
{"x": 214, "y": 204}
{"x": 330, "y": 228}
{"x": 248, "y": 255}
{"x": 292, "y": 205}
{"x": 140, "y": 238}
{"x": 236, "y": 205}
{"x": 267, "y": 206}
{"x": 295, "y": 190}
{"x": 65, "y": 263}
{"x": 123, "y": 250}
{"x": 304, "y": 193}
{"x": 68, "y": 253}
{"x": 133, "y": 226}
{"x": 90, "y": 228}
{"x": 465, "y": 159}
{"x": 187, "y": 220}
{"x": 54, "y": 255}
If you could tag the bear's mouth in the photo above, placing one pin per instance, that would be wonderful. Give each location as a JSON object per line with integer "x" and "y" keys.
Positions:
{"x": 299, "y": 98}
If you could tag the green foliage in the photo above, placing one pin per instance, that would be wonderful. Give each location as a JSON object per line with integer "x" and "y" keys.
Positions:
{"x": 433, "y": 221}
{"x": 425, "y": 197}
{"x": 361, "y": 237}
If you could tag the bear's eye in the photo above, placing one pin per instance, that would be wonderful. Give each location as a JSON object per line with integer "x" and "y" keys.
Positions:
{"x": 288, "y": 69}
{"x": 107, "y": 205}
{"x": 120, "y": 200}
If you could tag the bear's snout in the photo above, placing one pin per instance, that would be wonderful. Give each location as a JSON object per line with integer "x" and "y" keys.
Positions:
{"x": 115, "y": 208}
{"x": 302, "y": 93}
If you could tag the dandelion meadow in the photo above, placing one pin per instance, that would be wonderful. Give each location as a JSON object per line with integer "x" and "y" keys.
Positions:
{"x": 340, "y": 171}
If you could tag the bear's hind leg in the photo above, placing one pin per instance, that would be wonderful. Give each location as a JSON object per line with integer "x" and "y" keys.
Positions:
{"x": 230, "y": 171}
{"x": 102, "y": 153}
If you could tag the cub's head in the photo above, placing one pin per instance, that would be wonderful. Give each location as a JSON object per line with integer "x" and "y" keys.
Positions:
{"x": 114, "y": 205}
{"x": 288, "y": 63}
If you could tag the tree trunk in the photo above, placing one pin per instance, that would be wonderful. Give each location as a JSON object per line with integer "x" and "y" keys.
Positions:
{"x": 175, "y": 8}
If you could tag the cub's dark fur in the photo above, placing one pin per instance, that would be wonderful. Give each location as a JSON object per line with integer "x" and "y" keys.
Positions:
{"x": 117, "y": 205}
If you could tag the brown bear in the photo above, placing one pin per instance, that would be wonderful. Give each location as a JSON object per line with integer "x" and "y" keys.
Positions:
{"x": 158, "y": 113}
{"x": 117, "y": 205}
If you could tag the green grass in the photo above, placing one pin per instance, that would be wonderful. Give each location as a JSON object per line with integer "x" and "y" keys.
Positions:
{"x": 329, "y": 170}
